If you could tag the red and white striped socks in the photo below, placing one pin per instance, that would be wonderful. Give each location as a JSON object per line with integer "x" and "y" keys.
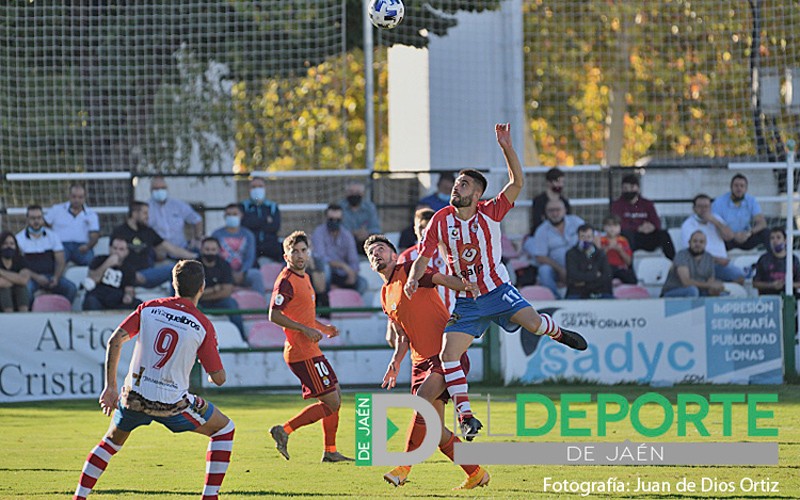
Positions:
{"x": 457, "y": 387}
{"x": 218, "y": 458}
{"x": 93, "y": 468}
{"x": 548, "y": 327}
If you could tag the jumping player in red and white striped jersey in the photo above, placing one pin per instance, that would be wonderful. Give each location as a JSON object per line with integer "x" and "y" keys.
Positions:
{"x": 421, "y": 219}
{"x": 468, "y": 233}
{"x": 170, "y": 333}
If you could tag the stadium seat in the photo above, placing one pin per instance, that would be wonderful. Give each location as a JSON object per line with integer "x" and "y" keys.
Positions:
{"x": 76, "y": 274}
{"x": 265, "y": 333}
{"x": 747, "y": 263}
{"x": 631, "y": 292}
{"x": 269, "y": 273}
{"x": 344, "y": 297}
{"x": 536, "y": 292}
{"x": 653, "y": 270}
{"x": 249, "y": 299}
{"x": 374, "y": 280}
{"x": 101, "y": 248}
{"x": 735, "y": 290}
{"x": 50, "y": 302}
{"x": 675, "y": 235}
{"x": 509, "y": 251}
{"x": 228, "y": 335}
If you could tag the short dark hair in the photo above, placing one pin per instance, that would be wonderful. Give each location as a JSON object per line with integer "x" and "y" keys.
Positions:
{"x": 210, "y": 238}
{"x": 776, "y": 229}
{"x": 611, "y": 219}
{"x": 424, "y": 214}
{"x": 630, "y": 179}
{"x": 293, "y": 239}
{"x": 188, "y": 277}
{"x": 378, "y": 238}
{"x": 446, "y": 176}
{"x": 135, "y": 207}
{"x": 585, "y": 227}
{"x": 739, "y": 176}
{"x": 75, "y": 185}
{"x": 700, "y": 196}
{"x": 333, "y": 206}
{"x": 33, "y": 207}
{"x": 477, "y": 176}
{"x": 553, "y": 174}
{"x": 234, "y": 205}
{"x": 4, "y": 236}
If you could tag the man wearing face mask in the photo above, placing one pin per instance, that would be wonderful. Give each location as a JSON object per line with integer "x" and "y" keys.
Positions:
{"x": 441, "y": 198}
{"x": 335, "y": 251}
{"x": 742, "y": 213}
{"x": 639, "y": 220}
{"x": 238, "y": 248}
{"x": 263, "y": 218}
{"x": 359, "y": 215}
{"x": 589, "y": 275}
{"x": 219, "y": 282}
{"x": 555, "y": 191}
{"x": 168, "y": 215}
{"x": 770, "y": 275}
{"x": 549, "y": 245}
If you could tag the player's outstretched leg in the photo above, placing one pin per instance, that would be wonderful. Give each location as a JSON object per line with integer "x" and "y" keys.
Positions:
{"x": 97, "y": 461}
{"x": 330, "y": 425}
{"x": 416, "y": 433}
{"x": 307, "y": 416}
{"x": 454, "y": 346}
{"x": 218, "y": 457}
{"x": 544, "y": 324}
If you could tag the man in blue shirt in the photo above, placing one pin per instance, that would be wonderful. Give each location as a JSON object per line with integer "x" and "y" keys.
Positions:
{"x": 742, "y": 213}
{"x": 335, "y": 251}
{"x": 263, "y": 218}
{"x": 238, "y": 249}
{"x": 441, "y": 198}
{"x": 359, "y": 215}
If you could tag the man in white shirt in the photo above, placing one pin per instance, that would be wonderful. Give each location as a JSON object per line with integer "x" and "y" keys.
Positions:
{"x": 168, "y": 216}
{"x": 76, "y": 225}
{"x": 716, "y": 232}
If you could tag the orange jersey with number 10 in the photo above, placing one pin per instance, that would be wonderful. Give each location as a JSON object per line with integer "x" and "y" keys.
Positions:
{"x": 294, "y": 296}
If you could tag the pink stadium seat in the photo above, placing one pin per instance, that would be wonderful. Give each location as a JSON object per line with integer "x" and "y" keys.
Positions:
{"x": 249, "y": 299}
{"x": 536, "y": 292}
{"x": 50, "y": 302}
{"x": 269, "y": 273}
{"x": 631, "y": 292}
{"x": 345, "y": 297}
{"x": 265, "y": 333}
{"x": 509, "y": 251}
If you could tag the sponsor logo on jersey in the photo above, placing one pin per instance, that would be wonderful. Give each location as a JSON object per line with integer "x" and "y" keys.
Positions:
{"x": 278, "y": 299}
{"x": 184, "y": 320}
{"x": 469, "y": 253}
{"x": 455, "y": 232}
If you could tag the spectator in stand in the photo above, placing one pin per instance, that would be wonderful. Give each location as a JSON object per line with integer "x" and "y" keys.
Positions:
{"x": 169, "y": 215}
{"x": 76, "y": 225}
{"x": 618, "y": 251}
{"x": 639, "y": 221}
{"x": 588, "y": 272}
{"x": 263, "y": 218}
{"x": 555, "y": 187}
{"x": 238, "y": 248}
{"x": 441, "y": 198}
{"x": 692, "y": 271}
{"x": 44, "y": 255}
{"x": 335, "y": 249}
{"x": 219, "y": 282}
{"x": 715, "y": 231}
{"x": 770, "y": 278}
{"x": 549, "y": 245}
{"x": 14, "y": 276}
{"x": 742, "y": 213}
{"x": 111, "y": 280}
{"x": 143, "y": 244}
{"x": 359, "y": 215}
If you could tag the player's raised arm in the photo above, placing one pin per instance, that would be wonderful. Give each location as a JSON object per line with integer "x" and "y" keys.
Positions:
{"x": 453, "y": 283}
{"x": 515, "y": 178}
{"x": 110, "y": 394}
{"x": 416, "y": 272}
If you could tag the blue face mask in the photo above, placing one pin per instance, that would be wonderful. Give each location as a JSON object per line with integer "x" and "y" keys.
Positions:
{"x": 232, "y": 221}
{"x": 258, "y": 193}
{"x": 779, "y": 247}
{"x": 160, "y": 195}
{"x": 443, "y": 196}
{"x": 586, "y": 245}
{"x": 35, "y": 231}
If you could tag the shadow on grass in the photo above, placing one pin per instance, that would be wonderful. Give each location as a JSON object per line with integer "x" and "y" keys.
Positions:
{"x": 249, "y": 493}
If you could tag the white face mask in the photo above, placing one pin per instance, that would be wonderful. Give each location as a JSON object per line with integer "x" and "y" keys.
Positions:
{"x": 258, "y": 193}
{"x": 160, "y": 195}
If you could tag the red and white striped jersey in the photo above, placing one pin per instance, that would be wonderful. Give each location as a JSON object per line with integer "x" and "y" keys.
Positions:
{"x": 471, "y": 247}
{"x": 438, "y": 264}
{"x": 170, "y": 333}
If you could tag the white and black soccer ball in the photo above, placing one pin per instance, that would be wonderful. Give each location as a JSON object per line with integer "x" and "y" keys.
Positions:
{"x": 386, "y": 14}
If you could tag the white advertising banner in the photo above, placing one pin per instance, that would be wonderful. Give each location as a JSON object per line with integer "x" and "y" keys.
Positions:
{"x": 655, "y": 341}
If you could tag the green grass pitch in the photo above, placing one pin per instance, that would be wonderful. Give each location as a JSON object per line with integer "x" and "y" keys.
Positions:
{"x": 44, "y": 445}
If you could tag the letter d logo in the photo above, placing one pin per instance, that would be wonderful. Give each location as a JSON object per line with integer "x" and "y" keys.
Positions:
{"x": 371, "y": 429}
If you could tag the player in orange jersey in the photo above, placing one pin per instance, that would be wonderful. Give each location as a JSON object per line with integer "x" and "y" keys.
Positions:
{"x": 418, "y": 323}
{"x": 293, "y": 308}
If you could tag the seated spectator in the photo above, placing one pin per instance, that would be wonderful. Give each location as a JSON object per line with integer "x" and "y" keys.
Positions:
{"x": 263, "y": 218}
{"x": 441, "y": 198}
{"x": 639, "y": 221}
{"x": 44, "y": 255}
{"x": 588, "y": 272}
{"x": 716, "y": 231}
{"x": 742, "y": 213}
{"x": 76, "y": 225}
{"x": 692, "y": 271}
{"x": 359, "y": 215}
{"x": 549, "y": 245}
{"x": 219, "y": 283}
{"x": 14, "y": 276}
{"x": 238, "y": 248}
{"x": 168, "y": 216}
{"x": 770, "y": 278}
{"x": 335, "y": 250}
{"x": 143, "y": 244}
{"x": 114, "y": 278}
{"x": 555, "y": 187}
{"x": 618, "y": 251}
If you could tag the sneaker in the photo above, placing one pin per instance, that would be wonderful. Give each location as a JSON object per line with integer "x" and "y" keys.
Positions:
{"x": 479, "y": 478}
{"x": 397, "y": 476}
{"x": 335, "y": 456}
{"x": 281, "y": 440}
{"x": 571, "y": 339}
{"x": 470, "y": 427}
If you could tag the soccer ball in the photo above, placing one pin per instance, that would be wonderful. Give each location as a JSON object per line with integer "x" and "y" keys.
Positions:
{"x": 386, "y": 14}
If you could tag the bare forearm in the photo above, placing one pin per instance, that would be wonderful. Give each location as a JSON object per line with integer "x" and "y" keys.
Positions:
{"x": 113, "y": 350}
{"x": 418, "y": 267}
